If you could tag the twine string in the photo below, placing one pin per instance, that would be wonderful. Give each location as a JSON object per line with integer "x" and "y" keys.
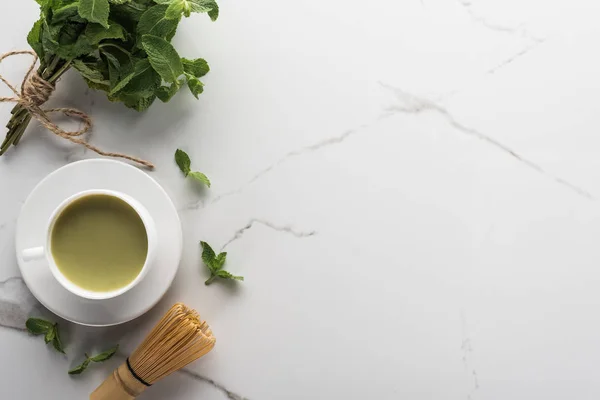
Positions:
{"x": 36, "y": 91}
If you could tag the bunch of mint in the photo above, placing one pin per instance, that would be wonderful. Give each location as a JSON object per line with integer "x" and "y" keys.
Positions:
{"x": 119, "y": 46}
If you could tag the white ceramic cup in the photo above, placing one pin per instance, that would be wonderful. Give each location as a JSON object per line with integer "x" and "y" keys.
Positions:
{"x": 35, "y": 253}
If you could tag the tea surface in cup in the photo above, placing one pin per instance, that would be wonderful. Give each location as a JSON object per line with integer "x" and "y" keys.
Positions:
{"x": 99, "y": 243}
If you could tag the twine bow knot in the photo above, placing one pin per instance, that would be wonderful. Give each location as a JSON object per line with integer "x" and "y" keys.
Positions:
{"x": 36, "y": 91}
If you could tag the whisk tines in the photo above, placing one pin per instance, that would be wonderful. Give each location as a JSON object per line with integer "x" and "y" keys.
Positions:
{"x": 178, "y": 339}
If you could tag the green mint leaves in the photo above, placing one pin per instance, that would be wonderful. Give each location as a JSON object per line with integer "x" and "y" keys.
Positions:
{"x": 215, "y": 264}
{"x": 178, "y": 7}
{"x": 122, "y": 47}
{"x": 184, "y": 163}
{"x": 95, "y": 11}
{"x": 97, "y": 359}
{"x": 163, "y": 57}
{"x": 38, "y": 326}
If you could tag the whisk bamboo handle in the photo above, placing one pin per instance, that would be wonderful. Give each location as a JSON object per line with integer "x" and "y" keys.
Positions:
{"x": 120, "y": 385}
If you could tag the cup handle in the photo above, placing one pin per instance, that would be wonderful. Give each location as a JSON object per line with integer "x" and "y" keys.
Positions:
{"x": 33, "y": 253}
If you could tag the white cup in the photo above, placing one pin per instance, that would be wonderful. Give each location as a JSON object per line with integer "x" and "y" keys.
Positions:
{"x": 35, "y": 253}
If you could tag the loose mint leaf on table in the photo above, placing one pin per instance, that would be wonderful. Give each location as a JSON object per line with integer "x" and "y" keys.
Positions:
{"x": 208, "y": 257}
{"x": 38, "y": 326}
{"x": 80, "y": 368}
{"x": 215, "y": 264}
{"x": 183, "y": 161}
{"x": 199, "y": 176}
{"x": 163, "y": 57}
{"x": 49, "y": 336}
{"x": 105, "y": 355}
{"x": 95, "y": 11}
{"x": 97, "y": 358}
{"x": 56, "y": 342}
{"x": 227, "y": 275}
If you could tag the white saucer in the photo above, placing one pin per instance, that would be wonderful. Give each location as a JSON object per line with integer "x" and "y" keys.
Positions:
{"x": 99, "y": 174}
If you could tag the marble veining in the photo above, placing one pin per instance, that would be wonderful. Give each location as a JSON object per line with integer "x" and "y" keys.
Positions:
{"x": 411, "y": 104}
{"x": 283, "y": 229}
{"x": 408, "y": 187}
{"x": 16, "y": 303}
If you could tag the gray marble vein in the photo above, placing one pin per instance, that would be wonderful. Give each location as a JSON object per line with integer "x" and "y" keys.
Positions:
{"x": 230, "y": 395}
{"x": 516, "y": 56}
{"x": 285, "y": 229}
{"x": 411, "y": 104}
{"x": 494, "y": 26}
{"x": 334, "y": 140}
{"x": 16, "y": 303}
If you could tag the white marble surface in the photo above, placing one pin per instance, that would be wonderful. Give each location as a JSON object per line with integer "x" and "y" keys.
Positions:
{"x": 410, "y": 188}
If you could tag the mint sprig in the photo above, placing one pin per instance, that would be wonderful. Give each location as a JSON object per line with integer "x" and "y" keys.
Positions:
{"x": 38, "y": 326}
{"x": 97, "y": 359}
{"x": 215, "y": 264}
{"x": 184, "y": 163}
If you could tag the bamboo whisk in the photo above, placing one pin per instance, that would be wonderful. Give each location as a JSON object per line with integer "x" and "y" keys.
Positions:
{"x": 177, "y": 340}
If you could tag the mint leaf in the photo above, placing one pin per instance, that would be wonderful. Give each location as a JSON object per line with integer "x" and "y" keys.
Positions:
{"x": 195, "y": 86}
{"x": 49, "y": 336}
{"x": 215, "y": 264}
{"x": 34, "y": 38}
{"x": 198, "y": 67}
{"x": 105, "y": 355}
{"x": 119, "y": 1}
{"x": 163, "y": 57}
{"x": 166, "y": 93}
{"x": 199, "y": 176}
{"x": 208, "y": 256}
{"x": 186, "y": 7}
{"x": 63, "y": 13}
{"x": 96, "y": 32}
{"x": 97, "y": 359}
{"x": 95, "y": 11}
{"x": 145, "y": 81}
{"x": 220, "y": 260}
{"x": 38, "y": 326}
{"x": 56, "y": 342}
{"x": 183, "y": 161}
{"x": 80, "y": 368}
{"x": 124, "y": 81}
{"x": 155, "y": 22}
{"x": 214, "y": 13}
{"x": 176, "y": 8}
{"x": 227, "y": 275}
{"x": 202, "y": 6}
{"x": 89, "y": 73}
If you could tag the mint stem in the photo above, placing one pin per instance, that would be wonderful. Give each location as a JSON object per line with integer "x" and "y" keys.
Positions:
{"x": 210, "y": 280}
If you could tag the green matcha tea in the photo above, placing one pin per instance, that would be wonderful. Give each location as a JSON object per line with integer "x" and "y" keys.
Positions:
{"x": 99, "y": 243}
